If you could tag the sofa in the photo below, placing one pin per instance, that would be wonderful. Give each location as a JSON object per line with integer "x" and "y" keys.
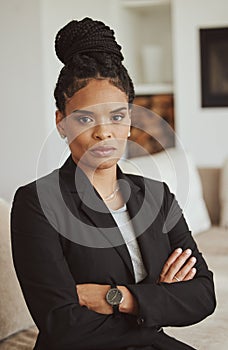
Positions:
{"x": 211, "y": 333}
{"x": 18, "y": 332}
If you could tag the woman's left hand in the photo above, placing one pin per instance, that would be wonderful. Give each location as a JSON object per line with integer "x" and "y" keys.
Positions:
{"x": 93, "y": 297}
{"x": 178, "y": 267}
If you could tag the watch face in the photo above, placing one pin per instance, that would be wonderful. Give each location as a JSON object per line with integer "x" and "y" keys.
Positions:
{"x": 114, "y": 296}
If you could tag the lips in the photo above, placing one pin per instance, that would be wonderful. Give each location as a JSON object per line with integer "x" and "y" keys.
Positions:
{"x": 103, "y": 151}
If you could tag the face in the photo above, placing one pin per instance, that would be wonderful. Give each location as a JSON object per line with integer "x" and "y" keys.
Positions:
{"x": 96, "y": 125}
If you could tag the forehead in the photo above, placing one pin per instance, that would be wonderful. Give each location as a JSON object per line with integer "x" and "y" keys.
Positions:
{"x": 98, "y": 94}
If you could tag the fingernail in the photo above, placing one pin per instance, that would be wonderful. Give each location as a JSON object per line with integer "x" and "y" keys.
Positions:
{"x": 188, "y": 251}
{"x": 179, "y": 250}
{"x": 193, "y": 270}
{"x": 193, "y": 259}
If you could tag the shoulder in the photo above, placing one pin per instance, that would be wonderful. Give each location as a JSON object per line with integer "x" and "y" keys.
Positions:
{"x": 29, "y": 194}
{"x": 46, "y": 183}
{"x": 44, "y": 180}
{"x": 145, "y": 182}
{"x": 155, "y": 191}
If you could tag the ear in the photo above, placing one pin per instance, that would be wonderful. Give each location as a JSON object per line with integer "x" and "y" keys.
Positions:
{"x": 59, "y": 121}
{"x": 130, "y": 112}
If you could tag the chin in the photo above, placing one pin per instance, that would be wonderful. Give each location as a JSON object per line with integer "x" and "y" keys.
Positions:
{"x": 106, "y": 164}
{"x": 98, "y": 163}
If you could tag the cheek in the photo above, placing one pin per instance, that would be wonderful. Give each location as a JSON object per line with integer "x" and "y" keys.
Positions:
{"x": 78, "y": 135}
{"x": 122, "y": 126}
{"x": 79, "y": 140}
{"x": 122, "y": 130}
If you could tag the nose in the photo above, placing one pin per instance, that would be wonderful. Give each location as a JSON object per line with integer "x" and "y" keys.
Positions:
{"x": 102, "y": 132}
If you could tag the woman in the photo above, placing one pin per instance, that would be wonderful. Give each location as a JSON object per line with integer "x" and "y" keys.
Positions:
{"x": 104, "y": 259}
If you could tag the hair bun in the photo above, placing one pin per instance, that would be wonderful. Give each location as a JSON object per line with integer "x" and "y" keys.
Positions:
{"x": 85, "y": 36}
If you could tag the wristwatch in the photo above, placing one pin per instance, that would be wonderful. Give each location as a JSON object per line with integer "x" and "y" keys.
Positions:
{"x": 114, "y": 297}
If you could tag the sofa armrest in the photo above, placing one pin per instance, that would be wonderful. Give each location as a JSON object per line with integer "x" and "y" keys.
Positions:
{"x": 210, "y": 178}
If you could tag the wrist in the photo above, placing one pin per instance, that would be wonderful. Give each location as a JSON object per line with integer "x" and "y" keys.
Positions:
{"x": 122, "y": 306}
{"x": 129, "y": 304}
{"x": 114, "y": 297}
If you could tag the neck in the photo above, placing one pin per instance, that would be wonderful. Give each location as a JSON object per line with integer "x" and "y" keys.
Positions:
{"x": 104, "y": 180}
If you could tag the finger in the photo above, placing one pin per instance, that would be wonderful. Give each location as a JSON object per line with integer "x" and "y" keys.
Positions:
{"x": 178, "y": 264}
{"x": 80, "y": 288}
{"x": 183, "y": 272}
{"x": 170, "y": 261}
{"x": 190, "y": 275}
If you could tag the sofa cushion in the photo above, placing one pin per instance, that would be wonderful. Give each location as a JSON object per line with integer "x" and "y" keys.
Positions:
{"x": 211, "y": 333}
{"x": 23, "y": 340}
{"x": 223, "y": 192}
{"x": 14, "y": 315}
{"x": 177, "y": 169}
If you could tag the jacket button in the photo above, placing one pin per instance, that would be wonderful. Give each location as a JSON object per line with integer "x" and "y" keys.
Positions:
{"x": 140, "y": 321}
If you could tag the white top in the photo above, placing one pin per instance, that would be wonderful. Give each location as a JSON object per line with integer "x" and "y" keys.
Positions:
{"x": 124, "y": 223}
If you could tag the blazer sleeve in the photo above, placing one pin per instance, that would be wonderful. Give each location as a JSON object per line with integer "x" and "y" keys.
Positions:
{"x": 183, "y": 303}
{"x": 49, "y": 288}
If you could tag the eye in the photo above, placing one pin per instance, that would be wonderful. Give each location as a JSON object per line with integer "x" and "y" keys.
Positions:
{"x": 85, "y": 119}
{"x": 117, "y": 117}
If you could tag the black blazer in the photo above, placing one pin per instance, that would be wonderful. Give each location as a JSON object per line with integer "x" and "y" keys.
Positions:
{"x": 63, "y": 235}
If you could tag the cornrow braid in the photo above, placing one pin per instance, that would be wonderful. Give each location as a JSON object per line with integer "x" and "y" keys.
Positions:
{"x": 89, "y": 51}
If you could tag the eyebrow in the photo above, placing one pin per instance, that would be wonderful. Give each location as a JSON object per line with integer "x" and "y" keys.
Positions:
{"x": 83, "y": 111}
{"x": 119, "y": 109}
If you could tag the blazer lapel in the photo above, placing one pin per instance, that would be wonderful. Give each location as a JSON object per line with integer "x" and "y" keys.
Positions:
{"x": 99, "y": 215}
{"x": 98, "y": 223}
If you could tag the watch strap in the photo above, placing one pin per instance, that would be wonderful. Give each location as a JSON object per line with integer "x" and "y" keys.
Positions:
{"x": 115, "y": 310}
{"x": 115, "y": 307}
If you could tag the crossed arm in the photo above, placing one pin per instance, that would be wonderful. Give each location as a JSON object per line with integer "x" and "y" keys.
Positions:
{"x": 178, "y": 267}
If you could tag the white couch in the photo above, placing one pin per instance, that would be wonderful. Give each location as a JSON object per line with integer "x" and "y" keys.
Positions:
{"x": 211, "y": 333}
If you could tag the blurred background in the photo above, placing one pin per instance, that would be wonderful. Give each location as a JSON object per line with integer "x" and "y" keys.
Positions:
{"x": 161, "y": 44}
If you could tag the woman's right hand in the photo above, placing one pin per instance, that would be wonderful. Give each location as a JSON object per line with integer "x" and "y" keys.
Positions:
{"x": 178, "y": 267}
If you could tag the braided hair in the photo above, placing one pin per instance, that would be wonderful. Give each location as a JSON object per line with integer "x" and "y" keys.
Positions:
{"x": 88, "y": 50}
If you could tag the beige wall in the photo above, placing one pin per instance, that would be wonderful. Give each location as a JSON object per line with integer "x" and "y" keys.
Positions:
{"x": 21, "y": 84}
